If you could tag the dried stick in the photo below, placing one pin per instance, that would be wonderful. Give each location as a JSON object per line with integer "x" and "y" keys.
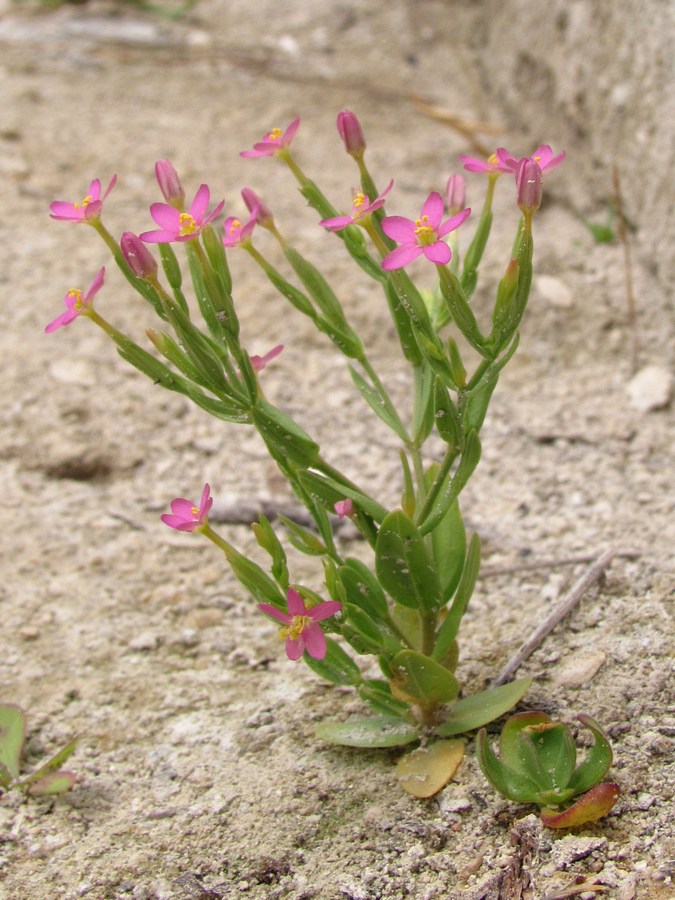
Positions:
{"x": 627, "y": 265}
{"x": 556, "y": 615}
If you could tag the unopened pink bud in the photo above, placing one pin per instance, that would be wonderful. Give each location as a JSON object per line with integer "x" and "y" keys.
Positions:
{"x": 262, "y": 212}
{"x": 138, "y": 257}
{"x": 350, "y": 132}
{"x": 169, "y": 183}
{"x": 455, "y": 194}
{"x": 344, "y": 508}
{"x": 529, "y": 181}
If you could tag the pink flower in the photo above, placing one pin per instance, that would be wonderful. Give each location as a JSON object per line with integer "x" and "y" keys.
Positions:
{"x": 138, "y": 257}
{"x": 343, "y": 508}
{"x": 185, "y": 516}
{"x": 421, "y": 236}
{"x": 273, "y": 141}
{"x": 361, "y": 208}
{"x": 76, "y": 304}
{"x": 263, "y": 214}
{"x": 301, "y": 629}
{"x": 88, "y": 208}
{"x": 169, "y": 183}
{"x": 529, "y": 181}
{"x": 543, "y": 156}
{"x": 259, "y": 362}
{"x": 235, "y": 232}
{"x": 181, "y": 226}
{"x": 455, "y": 193}
{"x": 351, "y": 133}
{"x": 490, "y": 166}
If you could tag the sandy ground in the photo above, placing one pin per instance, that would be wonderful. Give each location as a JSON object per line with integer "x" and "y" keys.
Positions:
{"x": 199, "y": 772}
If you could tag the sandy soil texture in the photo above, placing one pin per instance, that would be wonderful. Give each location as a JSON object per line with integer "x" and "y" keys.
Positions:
{"x": 200, "y": 776}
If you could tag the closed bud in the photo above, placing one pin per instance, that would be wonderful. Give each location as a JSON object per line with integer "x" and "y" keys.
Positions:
{"x": 529, "y": 181}
{"x": 262, "y": 212}
{"x": 138, "y": 257}
{"x": 455, "y": 194}
{"x": 350, "y": 131}
{"x": 169, "y": 183}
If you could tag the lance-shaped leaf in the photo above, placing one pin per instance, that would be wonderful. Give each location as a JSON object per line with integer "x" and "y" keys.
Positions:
{"x": 512, "y": 784}
{"x": 379, "y": 404}
{"x": 450, "y": 628}
{"x": 425, "y": 771}
{"x": 283, "y": 435}
{"x": 402, "y": 563}
{"x": 474, "y": 252}
{"x": 510, "y": 746}
{"x": 268, "y": 540}
{"x": 336, "y": 666}
{"x": 44, "y": 780}
{"x": 12, "y": 735}
{"x": 556, "y": 751}
{"x": 378, "y": 731}
{"x": 403, "y": 324}
{"x": 255, "y": 580}
{"x": 53, "y": 784}
{"x": 377, "y": 693}
{"x": 446, "y": 416}
{"x": 420, "y": 679}
{"x": 303, "y": 539}
{"x": 459, "y": 309}
{"x": 453, "y": 485}
{"x": 363, "y": 589}
{"x": 329, "y": 491}
{"x": 449, "y": 544}
{"x": 423, "y": 406}
{"x": 359, "y": 624}
{"x": 478, "y": 709}
{"x": 216, "y": 254}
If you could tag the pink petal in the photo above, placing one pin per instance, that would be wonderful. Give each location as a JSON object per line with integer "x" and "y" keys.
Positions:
{"x": 200, "y": 204}
{"x": 113, "y": 182}
{"x": 64, "y": 319}
{"x": 94, "y": 189}
{"x": 337, "y": 224}
{"x": 166, "y": 216}
{"x": 64, "y": 211}
{"x": 95, "y": 286}
{"x": 216, "y": 212}
{"x": 158, "y": 237}
{"x": 178, "y": 522}
{"x": 277, "y": 614}
{"x": 324, "y": 610}
{"x": 438, "y": 253}
{"x": 253, "y": 154}
{"x": 433, "y": 209}
{"x": 289, "y": 134}
{"x": 183, "y": 508}
{"x": 454, "y": 222}
{"x": 205, "y": 503}
{"x": 295, "y": 648}
{"x": 399, "y": 229}
{"x": 296, "y": 605}
{"x": 401, "y": 256}
{"x": 508, "y": 163}
{"x": 315, "y": 641}
{"x": 473, "y": 164}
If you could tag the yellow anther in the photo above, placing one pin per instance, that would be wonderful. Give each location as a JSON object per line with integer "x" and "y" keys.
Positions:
{"x": 195, "y": 511}
{"x": 424, "y": 232}
{"x": 295, "y": 627}
{"x": 359, "y": 200}
{"x": 87, "y": 200}
{"x": 274, "y": 135}
{"x": 492, "y": 159}
{"x": 235, "y": 226}
{"x": 76, "y": 297}
{"x": 187, "y": 224}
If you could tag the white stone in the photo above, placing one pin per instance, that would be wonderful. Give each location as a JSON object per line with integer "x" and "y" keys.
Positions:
{"x": 582, "y": 668}
{"x": 651, "y": 388}
{"x": 555, "y": 291}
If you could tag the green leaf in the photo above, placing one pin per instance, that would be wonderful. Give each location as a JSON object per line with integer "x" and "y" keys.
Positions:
{"x": 589, "y": 808}
{"x": 485, "y": 706}
{"x": 446, "y": 415}
{"x": 256, "y": 581}
{"x": 452, "y": 488}
{"x": 12, "y": 735}
{"x": 450, "y": 628}
{"x": 363, "y": 589}
{"x": 53, "y": 784}
{"x": 378, "y": 405}
{"x": 377, "y": 693}
{"x": 52, "y": 765}
{"x": 356, "y": 620}
{"x": 283, "y": 435}
{"x": 378, "y": 731}
{"x": 337, "y": 666}
{"x": 449, "y": 543}
{"x": 267, "y": 539}
{"x": 423, "y": 679}
{"x": 402, "y": 563}
{"x": 509, "y": 739}
{"x": 509, "y": 783}
{"x": 328, "y": 491}
{"x": 598, "y": 759}
{"x": 302, "y": 538}
{"x": 557, "y": 752}
{"x": 404, "y": 328}
{"x": 423, "y": 405}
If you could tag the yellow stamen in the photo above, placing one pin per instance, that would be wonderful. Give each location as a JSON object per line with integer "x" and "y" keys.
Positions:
{"x": 295, "y": 627}
{"x": 195, "y": 511}
{"x": 76, "y": 296}
{"x": 87, "y": 200}
{"x": 235, "y": 226}
{"x": 274, "y": 134}
{"x": 187, "y": 224}
{"x": 359, "y": 200}
{"x": 492, "y": 159}
{"x": 425, "y": 233}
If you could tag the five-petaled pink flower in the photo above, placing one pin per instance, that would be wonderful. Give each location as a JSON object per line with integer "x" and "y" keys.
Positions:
{"x": 88, "y": 208}
{"x": 361, "y": 208}
{"x": 490, "y": 166}
{"x": 301, "y": 625}
{"x": 77, "y": 303}
{"x": 273, "y": 141}
{"x": 185, "y": 516}
{"x": 259, "y": 362}
{"x": 236, "y": 233}
{"x": 421, "y": 236}
{"x": 181, "y": 226}
{"x": 543, "y": 156}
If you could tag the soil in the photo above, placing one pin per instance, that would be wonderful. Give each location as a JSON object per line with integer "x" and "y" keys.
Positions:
{"x": 199, "y": 772}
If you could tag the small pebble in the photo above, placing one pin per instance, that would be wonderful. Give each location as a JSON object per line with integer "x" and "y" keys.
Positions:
{"x": 650, "y": 389}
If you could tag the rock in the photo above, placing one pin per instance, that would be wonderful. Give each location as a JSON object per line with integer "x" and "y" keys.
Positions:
{"x": 650, "y": 389}
{"x": 580, "y": 669}
{"x": 555, "y": 291}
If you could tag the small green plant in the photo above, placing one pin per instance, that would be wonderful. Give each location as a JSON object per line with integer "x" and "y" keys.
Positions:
{"x": 49, "y": 779}
{"x": 537, "y": 763}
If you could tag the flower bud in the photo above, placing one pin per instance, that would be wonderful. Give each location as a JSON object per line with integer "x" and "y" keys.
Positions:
{"x": 455, "y": 194}
{"x": 529, "y": 181}
{"x": 350, "y": 132}
{"x": 169, "y": 183}
{"x": 343, "y": 508}
{"x": 262, "y": 212}
{"x": 138, "y": 257}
